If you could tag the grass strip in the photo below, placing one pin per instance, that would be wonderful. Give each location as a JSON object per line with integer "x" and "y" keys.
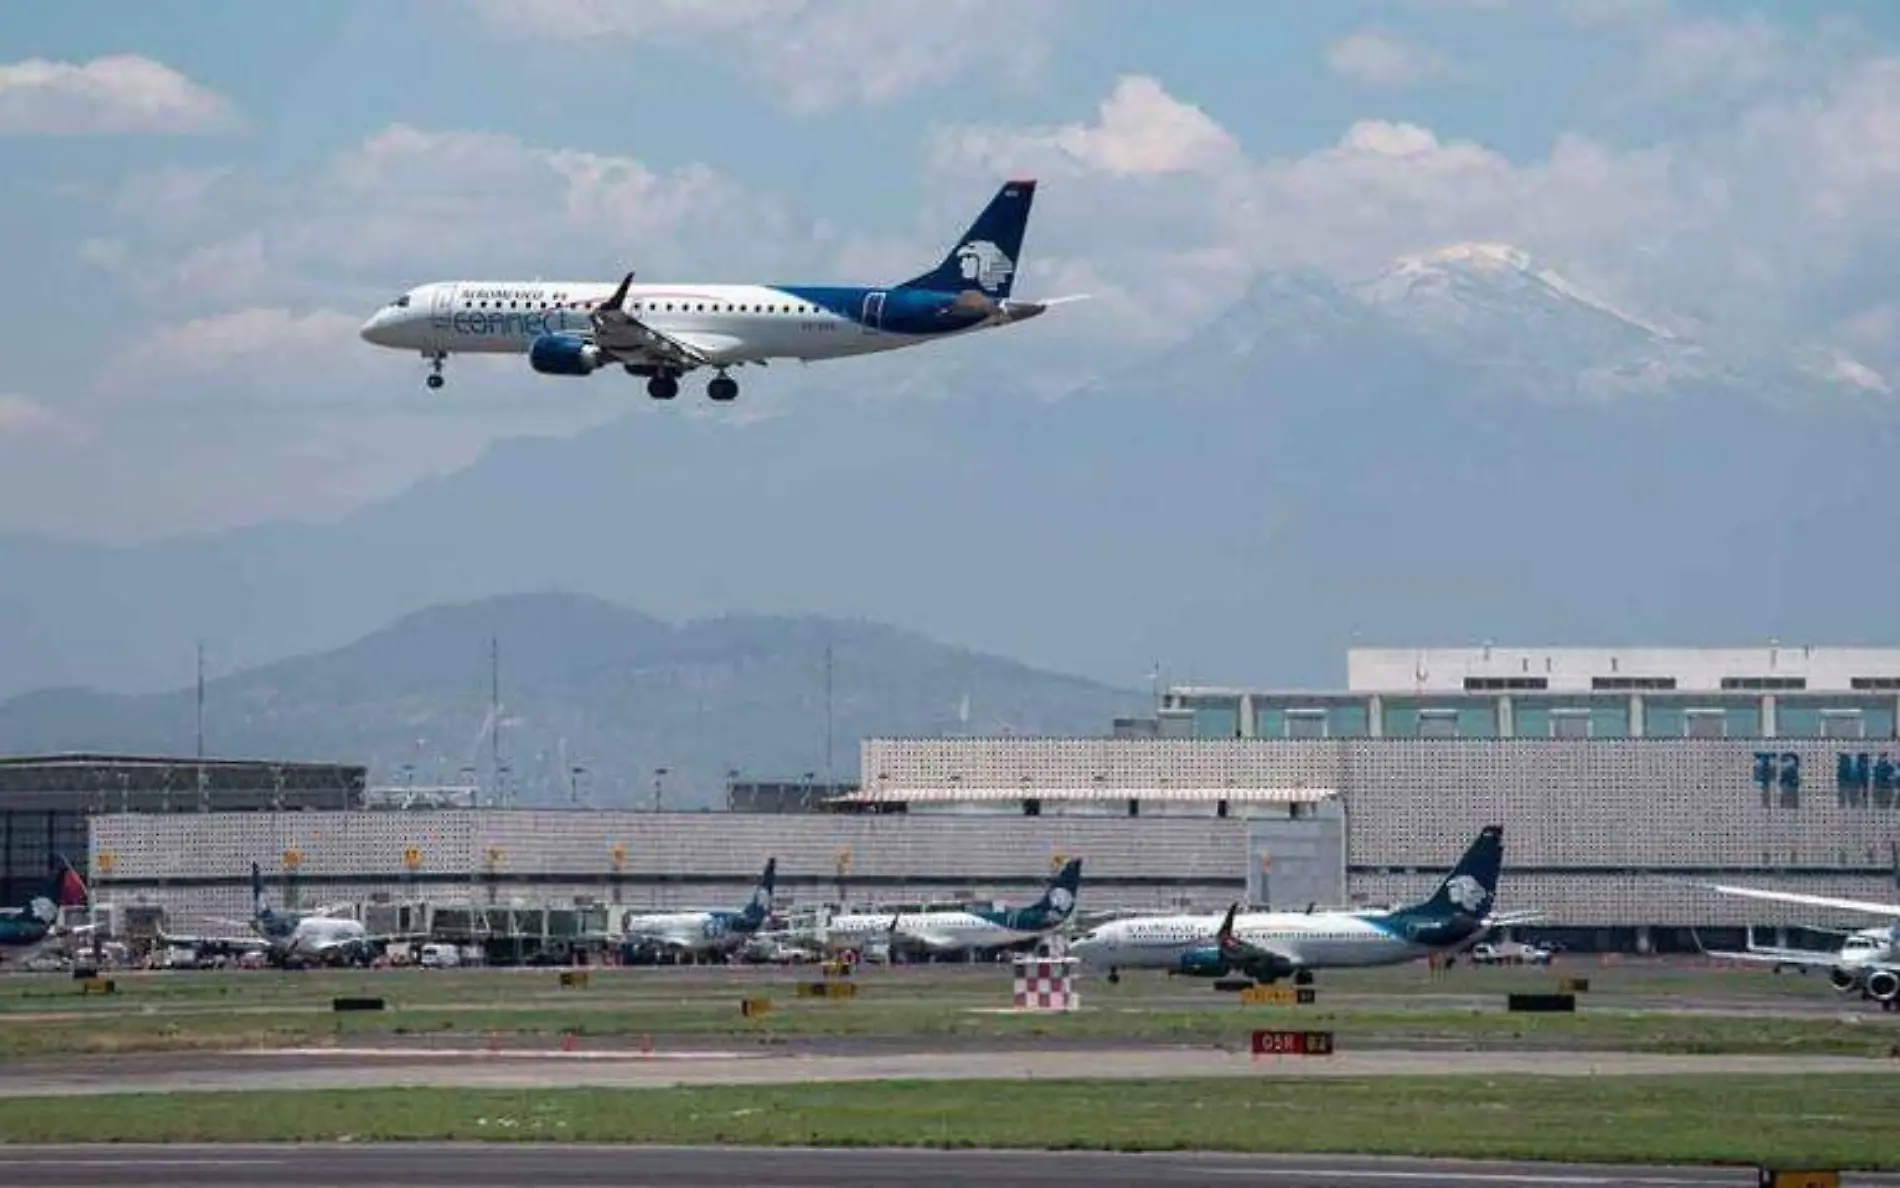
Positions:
{"x": 1827, "y": 1121}
{"x": 1586, "y": 1030}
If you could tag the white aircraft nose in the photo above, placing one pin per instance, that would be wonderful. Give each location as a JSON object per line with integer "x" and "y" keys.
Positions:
{"x": 376, "y": 331}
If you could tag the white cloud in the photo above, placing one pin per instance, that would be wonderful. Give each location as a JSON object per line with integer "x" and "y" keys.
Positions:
{"x": 812, "y": 55}
{"x": 1140, "y": 129}
{"x": 1597, "y": 13}
{"x": 410, "y": 204}
{"x": 1737, "y": 226}
{"x": 1376, "y": 58}
{"x": 260, "y": 341}
{"x": 111, "y": 95}
{"x": 1695, "y": 55}
{"x": 22, "y": 419}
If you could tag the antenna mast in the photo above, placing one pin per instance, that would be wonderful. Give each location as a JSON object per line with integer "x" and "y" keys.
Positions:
{"x": 831, "y": 782}
{"x": 201, "y": 701}
{"x": 494, "y": 711}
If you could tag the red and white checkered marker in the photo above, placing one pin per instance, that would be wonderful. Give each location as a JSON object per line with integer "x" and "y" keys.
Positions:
{"x": 1047, "y": 984}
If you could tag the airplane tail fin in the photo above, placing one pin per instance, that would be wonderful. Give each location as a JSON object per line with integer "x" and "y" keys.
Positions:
{"x": 1058, "y": 899}
{"x": 68, "y": 888}
{"x": 1472, "y": 886}
{"x": 760, "y": 908}
{"x": 985, "y": 258}
{"x": 1224, "y": 938}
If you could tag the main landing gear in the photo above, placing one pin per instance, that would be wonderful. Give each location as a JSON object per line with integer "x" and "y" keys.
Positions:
{"x": 666, "y": 385}
{"x": 435, "y": 379}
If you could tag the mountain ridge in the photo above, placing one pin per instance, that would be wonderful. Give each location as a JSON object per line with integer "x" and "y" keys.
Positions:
{"x": 1305, "y": 469}
{"x": 584, "y": 681}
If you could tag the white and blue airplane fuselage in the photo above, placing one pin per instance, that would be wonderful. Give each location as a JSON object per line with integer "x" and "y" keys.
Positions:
{"x": 662, "y": 331}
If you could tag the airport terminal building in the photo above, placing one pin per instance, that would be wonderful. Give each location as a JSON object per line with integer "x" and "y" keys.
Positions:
{"x": 1623, "y": 778}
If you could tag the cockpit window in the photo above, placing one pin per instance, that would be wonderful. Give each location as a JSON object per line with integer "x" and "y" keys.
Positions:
{"x": 401, "y": 302}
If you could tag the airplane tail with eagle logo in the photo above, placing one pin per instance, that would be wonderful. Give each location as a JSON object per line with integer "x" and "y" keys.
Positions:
{"x": 1471, "y": 888}
{"x": 986, "y": 257}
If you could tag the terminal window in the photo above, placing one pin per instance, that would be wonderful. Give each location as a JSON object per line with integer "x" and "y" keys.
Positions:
{"x": 1705, "y": 724}
{"x": 1306, "y": 723}
{"x": 1570, "y": 724}
{"x": 1843, "y": 724}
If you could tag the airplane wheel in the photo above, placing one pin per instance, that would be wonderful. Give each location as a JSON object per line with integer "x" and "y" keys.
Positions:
{"x": 723, "y": 389}
{"x": 1114, "y": 977}
{"x": 663, "y": 387}
{"x": 435, "y": 381}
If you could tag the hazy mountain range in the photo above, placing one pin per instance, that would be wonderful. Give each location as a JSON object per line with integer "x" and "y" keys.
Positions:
{"x": 1466, "y": 446}
{"x": 585, "y": 683}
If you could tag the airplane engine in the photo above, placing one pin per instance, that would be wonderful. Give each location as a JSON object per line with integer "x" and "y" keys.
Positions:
{"x": 564, "y": 354}
{"x": 1884, "y": 985}
{"x": 1847, "y": 981}
{"x": 1201, "y": 963}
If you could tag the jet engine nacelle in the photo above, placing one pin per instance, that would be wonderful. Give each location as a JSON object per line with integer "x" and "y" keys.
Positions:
{"x": 1883, "y": 985}
{"x": 1846, "y": 980}
{"x": 564, "y": 354}
{"x": 1201, "y": 963}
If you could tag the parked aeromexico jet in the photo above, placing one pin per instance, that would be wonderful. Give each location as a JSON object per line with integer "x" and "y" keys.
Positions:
{"x": 25, "y": 930}
{"x": 1267, "y": 946}
{"x": 1868, "y": 961}
{"x": 960, "y": 930}
{"x": 710, "y": 931}
{"x": 662, "y": 331}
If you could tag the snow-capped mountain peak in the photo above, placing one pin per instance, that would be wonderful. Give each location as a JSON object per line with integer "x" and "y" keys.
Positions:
{"x": 1436, "y": 272}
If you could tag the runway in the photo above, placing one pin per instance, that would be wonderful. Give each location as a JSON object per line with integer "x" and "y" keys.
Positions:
{"x": 492, "y": 1166}
{"x": 329, "y": 1068}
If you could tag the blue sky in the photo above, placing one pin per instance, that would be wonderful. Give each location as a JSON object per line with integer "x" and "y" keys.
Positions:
{"x": 198, "y": 218}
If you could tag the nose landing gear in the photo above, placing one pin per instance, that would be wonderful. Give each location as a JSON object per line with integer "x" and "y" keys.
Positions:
{"x": 435, "y": 379}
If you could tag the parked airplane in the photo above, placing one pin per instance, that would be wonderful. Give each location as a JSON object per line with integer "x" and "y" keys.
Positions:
{"x": 955, "y": 930}
{"x": 662, "y": 331}
{"x": 289, "y": 938}
{"x": 25, "y": 930}
{"x": 710, "y": 931}
{"x": 1267, "y": 946}
{"x": 1868, "y": 961}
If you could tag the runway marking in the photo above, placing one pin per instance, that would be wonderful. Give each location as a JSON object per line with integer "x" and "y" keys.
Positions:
{"x": 1461, "y": 1177}
{"x": 156, "y": 1161}
{"x": 498, "y": 1054}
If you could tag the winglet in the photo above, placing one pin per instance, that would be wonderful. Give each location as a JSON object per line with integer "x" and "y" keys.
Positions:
{"x": 1225, "y": 937}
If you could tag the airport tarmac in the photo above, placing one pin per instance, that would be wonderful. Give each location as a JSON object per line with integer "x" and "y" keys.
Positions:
{"x": 551, "y": 1166}
{"x": 348, "y": 1068}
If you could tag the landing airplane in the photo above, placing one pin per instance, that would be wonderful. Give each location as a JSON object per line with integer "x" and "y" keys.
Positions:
{"x": 1868, "y": 961}
{"x": 710, "y": 931}
{"x": 955, "y": 930}
{"x": 662, "y": 331}
{"x": 1267, "y": 946}
{"x": 24, "y": 931}
{"x": 290, "y": 938}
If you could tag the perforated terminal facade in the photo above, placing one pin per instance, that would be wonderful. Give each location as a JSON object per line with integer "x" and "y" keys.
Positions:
{"x": 1598, "y": 832}
{"x": 197, "y": 865}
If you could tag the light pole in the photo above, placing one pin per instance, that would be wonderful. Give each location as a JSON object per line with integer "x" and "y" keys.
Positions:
{"x": 659, "y": 788}
{"x": 574, "y": 784}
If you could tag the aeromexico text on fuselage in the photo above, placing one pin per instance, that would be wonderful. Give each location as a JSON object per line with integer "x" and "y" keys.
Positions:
{"x": 764, "y": 320}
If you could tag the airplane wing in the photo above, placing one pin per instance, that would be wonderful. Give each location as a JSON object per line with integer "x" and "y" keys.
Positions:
{"x": 1250, "y": 957}
{"x": 621, "y": 334}
{"x": 1506, "y": 919}
{"x": 1770, "y": 954}
{"x": 1889, "y": 910}
{"x": 222, "y": 944}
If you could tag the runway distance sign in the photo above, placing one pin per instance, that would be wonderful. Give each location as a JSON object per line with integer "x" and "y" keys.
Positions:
{"x": 1292, "y": 1043}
